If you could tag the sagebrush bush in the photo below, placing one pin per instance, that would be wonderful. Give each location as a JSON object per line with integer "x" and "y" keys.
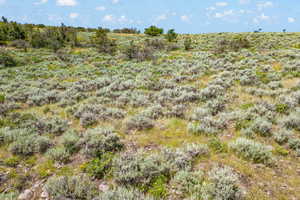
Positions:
{"x": 154, "y": 112}
{"x": 28, "y": 145}
{"x": 248, "y": 132}
{"x": 139, "y": 122}
{"x": 294, "y": 143}
{"x": 253, "y": 151}
{"x": 224, "y": 185}
{"x": 139, "y": 169}
{"x": 70, "y": 140}
{"x": 98, "y": 141}
{"x": 54, "y": 125}
{"x": 282, "y": 136}
{"x": 292, "y": 121}
{"x": 122, "y": 193}
{"x": 8, "y": 135}
{"x": 74, "y": 187}
{"x": 58, "y": 154}
{"x": 208, "y": 126}
{"x": 262, "y": 127}
{"x": 182, "y": 158}
{"x": 186, "y": 183}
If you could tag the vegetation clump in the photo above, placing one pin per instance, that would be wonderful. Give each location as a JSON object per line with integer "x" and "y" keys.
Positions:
{"x": 254, "y": 151}
{"x": 74, "y": 187}
{"x": 103, "y": 43}
{"x": 7, "y": 60}
{"x": 153, "y": 31}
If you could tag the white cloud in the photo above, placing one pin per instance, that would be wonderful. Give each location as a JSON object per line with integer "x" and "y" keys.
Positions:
{"x": 66, "y": 2}
{"x": 41, "y": 2}
{"x": 55, "y": 18}
{"x": 264, "y": 17}
{"x": 108, "y": 18}
{"x": 185, "y": 18}
{"x": 265, "y": 4}
{"x": 211, "y": 8}
{"x": 291, "y": 20}
{"x": 114, "y": 19}
{"x": 2, "y": 2}
{"x": 124, "y": 19}
{"x": 115, "y": 1}
{"x": 73, "y": 15}
{"x": 261, "y": 18}
{"x": 245, "y": 1}
{"x": 161, "y": 17}
{"x": 221, "y": 4}
{"x": 224, "y": 14}
{"x": 101, "y": 8}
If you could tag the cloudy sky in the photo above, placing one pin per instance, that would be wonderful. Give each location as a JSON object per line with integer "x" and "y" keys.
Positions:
{"x": 186, "y": 16}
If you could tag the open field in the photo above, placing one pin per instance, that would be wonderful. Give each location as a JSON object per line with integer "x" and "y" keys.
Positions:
{"x": 196, "y": 124}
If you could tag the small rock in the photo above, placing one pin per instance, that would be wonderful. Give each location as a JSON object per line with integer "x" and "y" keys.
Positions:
{"x": 26, "y": 195}
{"x": 45, "y": 195}
{"x": 103, "y": 187}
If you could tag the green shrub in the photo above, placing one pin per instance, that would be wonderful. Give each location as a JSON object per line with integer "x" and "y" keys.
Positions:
{"x": 7, "y": 60}
{"x": 281, "y": 108}
{"x": 70, "y": 140}
{"x": 71, "y": 187}
{"x": 171, "y": 36}
{"x": 99, "y": 167}
{"x": 281, "y": 151}
{"x": 232, "y": 44}
{"x": 254, "y": 151}
{"x": 224, "y": 185}
{"x": 242, "y": 124}
{"x": 217, "y": 145}
{"x": 187, "y": 43}
{"x": 158, "y": 187}
{"x": 58, "y": 154}
{"x": 103, "y": 43}
{"x": 154, "y": 31}
{"x": 12, "y": 161}
{"x": 138, "y": 52}
{"x": 2, "y": 98}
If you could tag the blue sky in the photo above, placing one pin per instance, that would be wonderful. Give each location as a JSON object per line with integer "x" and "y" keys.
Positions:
{"x": 185, "y": 16}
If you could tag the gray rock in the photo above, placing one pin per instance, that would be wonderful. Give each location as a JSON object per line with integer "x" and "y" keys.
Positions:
{"x": 26, "y": 195}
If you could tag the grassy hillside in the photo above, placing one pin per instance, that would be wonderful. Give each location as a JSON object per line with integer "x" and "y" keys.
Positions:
{"x": 209, "y": 123}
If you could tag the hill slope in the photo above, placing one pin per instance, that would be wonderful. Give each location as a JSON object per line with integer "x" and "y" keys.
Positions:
{"x": 209, "y": 123}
